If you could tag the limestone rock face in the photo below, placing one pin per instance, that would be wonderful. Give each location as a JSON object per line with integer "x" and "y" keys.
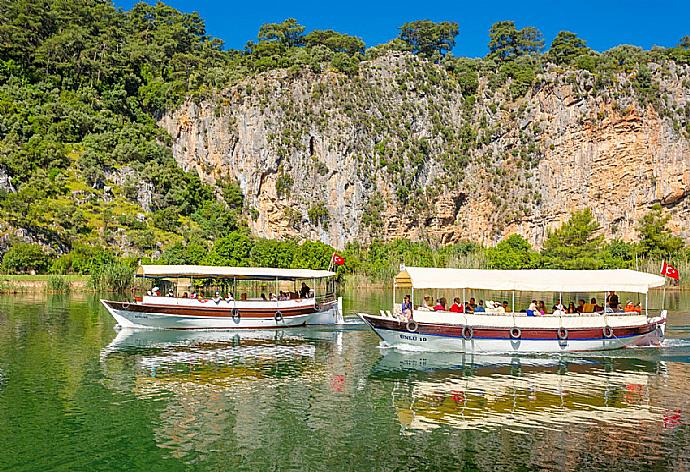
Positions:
{"x": 400, "y": 151}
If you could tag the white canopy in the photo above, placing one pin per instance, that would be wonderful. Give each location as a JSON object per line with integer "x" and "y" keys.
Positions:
{"x": 622, "y": 280}
{"x": 248, "y": 273}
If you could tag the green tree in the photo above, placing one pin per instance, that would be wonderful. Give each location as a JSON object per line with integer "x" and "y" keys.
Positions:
{"x": 272, "y": 253}
{"x": 312, "y": 255}
{"x": 514, "y": 252}
{"x": 336, "y": 42}
{"x": 565, "y": 47}
{"x": 656, "y": 240}
{"x": 506, "y": 42}
{"x": 23, "y": 257}
{"x": 428, "y": 38}
{"x": 287, "y": 33}
{"x": 684, "y": 42}
{"x": 231, "y": 250}
{"x": 575, "y": 244}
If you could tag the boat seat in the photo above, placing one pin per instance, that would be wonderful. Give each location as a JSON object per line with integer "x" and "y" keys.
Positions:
{"x": 383, "y": 313}
{"x": 389, "y": 314}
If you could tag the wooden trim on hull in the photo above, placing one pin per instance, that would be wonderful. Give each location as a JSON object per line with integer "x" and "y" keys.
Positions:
{"x": 526, "y": 334}
{"x": 209, "y": 312}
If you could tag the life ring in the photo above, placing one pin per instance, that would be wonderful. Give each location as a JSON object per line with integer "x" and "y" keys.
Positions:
{"x": 236, "y": 315}
{"x": 125, "y": 305}
{"x": 562, "y": 333}
{"x": 412, "y": 326}
{"x": 467, "y": 332}
{"x": 278, "y": 316}
{"x": 607, "y": 331}
{"x": 515, "y": 332}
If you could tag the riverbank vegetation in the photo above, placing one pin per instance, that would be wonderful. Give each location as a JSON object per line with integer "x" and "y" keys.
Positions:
{"x": 576, "y": 244}
{"x": 89, "y": 184}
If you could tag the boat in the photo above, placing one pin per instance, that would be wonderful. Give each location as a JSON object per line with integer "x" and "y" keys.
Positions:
{"x": 303, "y": 296}
{"x": 496, "y": 331}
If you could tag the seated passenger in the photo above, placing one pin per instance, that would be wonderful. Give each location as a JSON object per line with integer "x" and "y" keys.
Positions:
{"x": 272, "y": 297}
{"x": 185, "y": 295}
{"x": 156, "y": 292}
{"x": 304, "y": 291}
{"x": 406, "y": 308}
{"x": 229, "y": 297}
{"x": 456, "y": 307}
{"x": 194, "y": 295}
{"x": 263, "y": 297}
{"x": 532, "y": 310}
{"x": 580, "y": 306}
{"x": 571, "y": 308}
{"x": 440, "y": 304}
{"x": 170, "y": 294}
{"x": 595, "y": 308}
{"x": 216, "y": 297}
{"x": 506, "y": 307}
{"x": 541, "y": 308}
{"x": 480, "y": 308}
{"x": 426, "y": 304}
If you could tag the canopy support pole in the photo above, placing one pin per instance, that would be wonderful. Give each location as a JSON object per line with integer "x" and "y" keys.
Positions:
{"x": 464, "y": 306}
{"x": 646, "y": 311}
{"x": 275, "y": 292}
{"x": 513, "y": 302}
{"x": 412, "y": 301}
{"x": 394, "y": 298}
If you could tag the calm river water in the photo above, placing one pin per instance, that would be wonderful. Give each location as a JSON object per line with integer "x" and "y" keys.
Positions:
{"x": 77, "y": 395}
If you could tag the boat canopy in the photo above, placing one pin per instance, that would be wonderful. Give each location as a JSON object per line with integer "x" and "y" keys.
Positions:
{"x": 623, "y": 280}
{"x": 239, "y": 273}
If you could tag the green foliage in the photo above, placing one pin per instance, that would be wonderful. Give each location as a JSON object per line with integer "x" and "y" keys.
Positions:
{"x": 575, "y": 244}
{"x": 429, "y": 39}
{"x": 192, "y": 253}
{"x": 287, "y": 33}
{"x": 656, "y": 240}
{"x": 336, "y": 42}
{"x": 232, "y": 194}
{"x": 58, "y": 283}
{"x": 312, "y": 255}
{"x": 318, "y": 215}
{"x": 113, "y": 277}
{"x": 507, "y": 43}
{"x": 284, "y": 184}
{"x": 272, "y": 253}
{"x": 23, "y": 258}
{"x": 514, "y": 252}
{"x": 82, "y": 259}
{"x": 566, "y": 47}
{"x": 371, "y": 216}
{"x": 215, "y": 219}
{"x": 231, "y": 250}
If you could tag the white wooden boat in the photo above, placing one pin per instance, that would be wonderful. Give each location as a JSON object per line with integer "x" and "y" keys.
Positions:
{"x": 496, "y": 331}
{"x": 179, "y": 311}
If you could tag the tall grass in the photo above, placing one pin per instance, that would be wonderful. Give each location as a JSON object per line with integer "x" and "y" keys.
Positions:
{"x": 112, "y": 277}
{"x": 58, "y": 284}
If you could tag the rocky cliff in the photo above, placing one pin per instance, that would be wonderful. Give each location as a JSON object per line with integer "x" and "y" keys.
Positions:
{"x": 406, "y": 149}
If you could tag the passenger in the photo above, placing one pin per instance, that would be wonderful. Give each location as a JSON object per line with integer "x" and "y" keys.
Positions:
{"x": 263, "y": 297}
{"x": 532, "y": 310}
{"x": 572, "y": 309}
{"x": 217, "y": 298}
{"x": 406, "y": 308}
{"x": 559, "y": 306}
{"x": 426, "y": 303}
{"x": 596, "y": 307}
{"x": 541, "y": 308}
{"x": 229, "y": 297}
{"x": 638, "y": 308}
{"x": 456, "y": 307}
{"x": 473, "y": 304}
{"x": 440, "y": 304}
{"x": 185, "y": 295}
{"x": 304, "y": 291}
{"x": 272, "y": 297}
{"x": 170, "y": 293}
{"x": 580, "y": 306}
{"x": 612, "y": 300}
{"x": 480, "y": 308}
{"x": 194, "y": 295}
{"x": 629, "y": 307}
{"x": 200, "y": 296}
{"x": 156, "y": 292}
{"x": 506, "y": 307}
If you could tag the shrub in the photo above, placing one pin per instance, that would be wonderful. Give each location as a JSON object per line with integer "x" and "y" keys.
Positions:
{"x": 113, "y": 277}
{"x": 58, "y": 283}
{"x": 23, "y": 258}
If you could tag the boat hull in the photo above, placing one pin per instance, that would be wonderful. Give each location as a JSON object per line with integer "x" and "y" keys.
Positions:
{"x": 136, "y": 315}
{"x": 498, "y": 339}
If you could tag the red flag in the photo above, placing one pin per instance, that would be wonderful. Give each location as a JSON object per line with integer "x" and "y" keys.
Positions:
{"x": 669, "y": 271}
{"x": 337, "y": 260}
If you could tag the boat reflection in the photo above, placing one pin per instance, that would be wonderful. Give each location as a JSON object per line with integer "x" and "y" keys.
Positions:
{"x": 484, "y": 392}
{"x": 166, "y": 358}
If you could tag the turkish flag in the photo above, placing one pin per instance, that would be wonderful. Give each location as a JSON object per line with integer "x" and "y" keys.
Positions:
{"x": 337, "y": 260}
{"x": 669, "y": 271}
